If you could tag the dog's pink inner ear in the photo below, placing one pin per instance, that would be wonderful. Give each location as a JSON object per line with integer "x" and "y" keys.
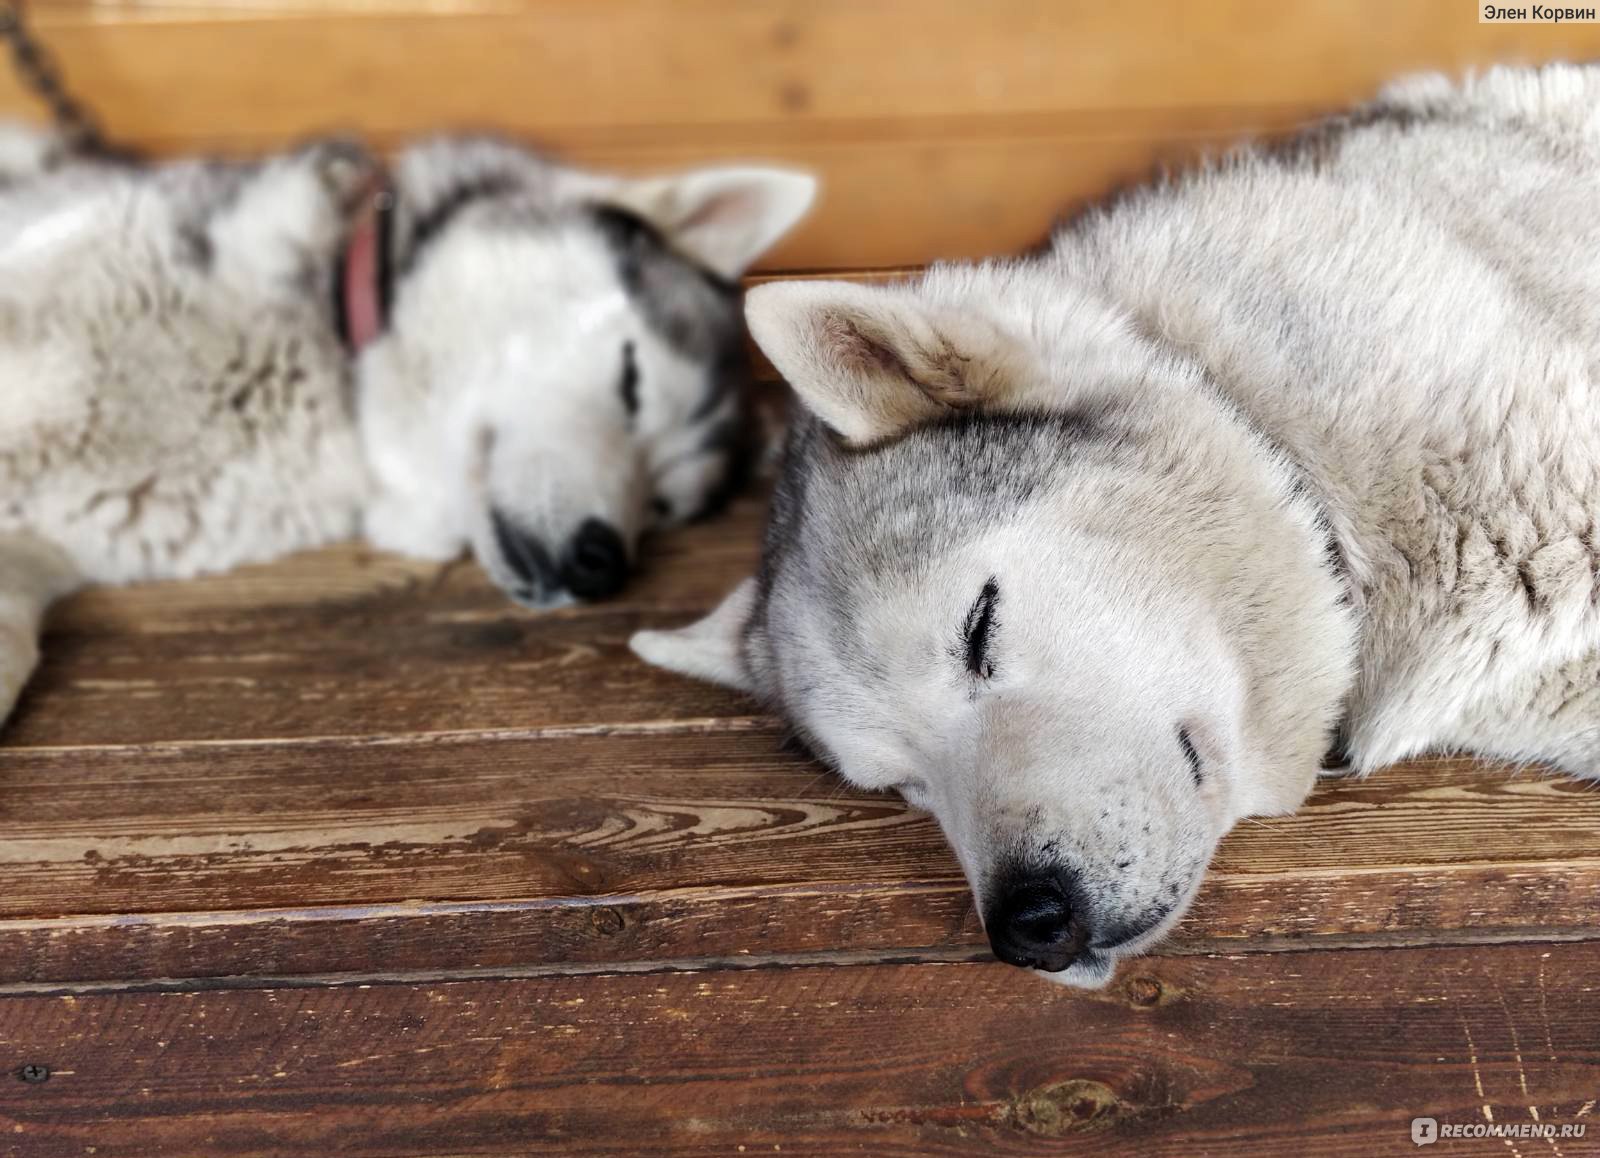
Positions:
{"x": 870, "y": 361}
{"x": 922, "y": 355}
{"x": 855, "y": 351}
{"x": 722, "y": 229}
{"x": 728, "y": 205}
{"x": 723, "y": 218}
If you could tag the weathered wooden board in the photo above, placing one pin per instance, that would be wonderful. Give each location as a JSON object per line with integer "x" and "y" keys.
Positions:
{"x": 346, "y": 641}
{"x": 391, "y": 665}
{"x": 1243, "y": 1054}
{"x": 671, "y": 843}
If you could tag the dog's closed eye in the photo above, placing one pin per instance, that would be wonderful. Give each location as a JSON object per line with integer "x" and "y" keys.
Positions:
{"x": 629, "y": 384}
{"x": 977, "y": 629}
{"x": 1190, "y": 754}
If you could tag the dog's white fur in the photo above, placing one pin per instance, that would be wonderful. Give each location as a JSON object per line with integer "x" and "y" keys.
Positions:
{"x": 1339, "y": 460}
{"x": 177, "y": 399}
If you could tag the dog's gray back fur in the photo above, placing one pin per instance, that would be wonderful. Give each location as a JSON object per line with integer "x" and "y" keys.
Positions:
{"x": 1408, "y": 303}
{"x": 133, "y": 469}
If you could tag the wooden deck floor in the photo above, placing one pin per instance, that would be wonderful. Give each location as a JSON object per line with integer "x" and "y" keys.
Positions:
{"x": 348, "y": 855}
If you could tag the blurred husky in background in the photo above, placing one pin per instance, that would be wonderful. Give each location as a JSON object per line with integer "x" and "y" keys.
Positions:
{"x": 1095, "y": 553}
{"x": 206, "y": 363}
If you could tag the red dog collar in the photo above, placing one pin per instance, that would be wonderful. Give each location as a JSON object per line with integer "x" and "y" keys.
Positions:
{"x": 362, "y": 297}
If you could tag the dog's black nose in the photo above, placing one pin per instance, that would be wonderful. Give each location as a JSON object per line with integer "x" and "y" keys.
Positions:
{"x": 596, "y": 563}
{"x": 1033, "y": 923}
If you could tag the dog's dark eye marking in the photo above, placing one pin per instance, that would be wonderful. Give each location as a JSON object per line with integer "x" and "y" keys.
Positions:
{"x": 630, "y": 380}
{"x": 1192, "y": 756}
{"x": 661, "y": 507}
{"x": 980, "y": 622}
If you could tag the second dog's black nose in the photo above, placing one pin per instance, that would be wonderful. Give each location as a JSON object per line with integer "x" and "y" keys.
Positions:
{"x": 597, "y": 561}
{"x": 1033, "y": 924}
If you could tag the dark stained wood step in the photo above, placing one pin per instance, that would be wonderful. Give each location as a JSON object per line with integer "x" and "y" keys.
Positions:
{"x": 1238, "y": 1054}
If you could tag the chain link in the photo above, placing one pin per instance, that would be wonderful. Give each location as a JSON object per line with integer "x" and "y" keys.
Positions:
{"x": 38, "y": 71}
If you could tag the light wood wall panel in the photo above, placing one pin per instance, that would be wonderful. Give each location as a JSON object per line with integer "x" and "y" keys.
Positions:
{"x": 648, "y": 64}
{"x": 942, "y": 128}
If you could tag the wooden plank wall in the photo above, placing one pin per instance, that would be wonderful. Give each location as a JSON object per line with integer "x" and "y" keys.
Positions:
{"x": 941, "y": 128}
{"x": 347, "y": 855}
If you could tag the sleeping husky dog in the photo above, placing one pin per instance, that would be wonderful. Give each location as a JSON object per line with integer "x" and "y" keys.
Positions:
{"x": 205, "y": 364}
{"x": 1095, "y": 553}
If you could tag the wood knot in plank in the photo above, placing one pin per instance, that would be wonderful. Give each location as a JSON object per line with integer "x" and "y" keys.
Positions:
{"x": 1066, "y": 1107}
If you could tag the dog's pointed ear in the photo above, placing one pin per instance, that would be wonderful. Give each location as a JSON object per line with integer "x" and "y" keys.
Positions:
{"x": 711, "y": 649}
{"x": 724, "y": 218}
{"x": 870, "y": 361}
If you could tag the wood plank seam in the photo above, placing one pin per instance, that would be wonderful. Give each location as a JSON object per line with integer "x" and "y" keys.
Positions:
{"x": 909, "y": 956}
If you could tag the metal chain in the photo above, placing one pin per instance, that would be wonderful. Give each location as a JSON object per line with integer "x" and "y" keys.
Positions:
{"x": 39, "y": 73}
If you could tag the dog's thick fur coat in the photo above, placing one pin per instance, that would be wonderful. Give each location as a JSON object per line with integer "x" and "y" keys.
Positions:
{"x": 1097, "y": 552}
{"x": 561, "y": 364}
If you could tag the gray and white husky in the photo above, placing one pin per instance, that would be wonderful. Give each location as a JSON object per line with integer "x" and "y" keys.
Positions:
{"x": 204, "y": 364}
{"x": 1094, "y": 553}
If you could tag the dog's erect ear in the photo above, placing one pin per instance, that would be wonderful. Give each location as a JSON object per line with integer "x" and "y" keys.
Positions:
{"x": 709, "y": 649}
{"x": 723, "y": 218}
{"x": 870, "y": 361}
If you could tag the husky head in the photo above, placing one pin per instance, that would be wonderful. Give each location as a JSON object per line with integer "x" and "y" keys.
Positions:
{"x": 1036, "y": 576}
{"x": 563, "y": 363}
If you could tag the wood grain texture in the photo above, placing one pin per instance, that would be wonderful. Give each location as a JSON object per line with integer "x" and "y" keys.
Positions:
{"x": 345, "y": 641}
{"x": 640, "y": 65}
{"x": 937, "y": 135}
{"x": 1242, "y": 1054}
{"x": 671, "y": 844}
